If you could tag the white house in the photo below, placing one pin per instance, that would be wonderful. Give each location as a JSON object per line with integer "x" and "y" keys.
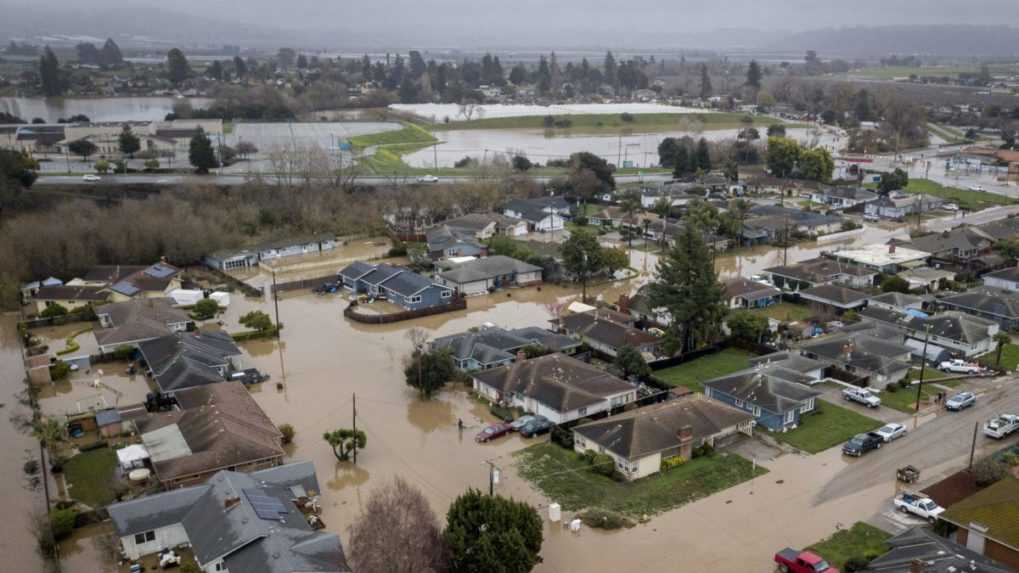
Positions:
{"x": 1007, "y": 279}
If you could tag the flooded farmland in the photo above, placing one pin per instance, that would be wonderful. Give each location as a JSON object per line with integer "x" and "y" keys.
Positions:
{"x": 97, "y": 109}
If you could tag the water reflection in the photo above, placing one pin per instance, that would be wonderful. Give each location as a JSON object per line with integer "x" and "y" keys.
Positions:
{"x": 347, "y": 475}
{"x": 430, "y": 415}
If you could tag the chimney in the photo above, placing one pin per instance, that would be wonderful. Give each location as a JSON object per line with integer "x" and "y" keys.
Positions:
{"x": 624, "y": 304}
{"x": 917, "y": 566}
{"x": 521, "y": 356}
{"x": 231, "y": 501}
{"x": 685, "y": 436}
{"x": 848, "y": 351}
{"x": 891, "y": 248}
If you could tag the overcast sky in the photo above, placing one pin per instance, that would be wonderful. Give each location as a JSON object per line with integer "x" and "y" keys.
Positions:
{"x": 463, "y": 23}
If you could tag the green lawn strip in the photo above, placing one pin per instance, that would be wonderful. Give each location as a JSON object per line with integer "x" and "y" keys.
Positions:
{"x": 949, "y": 134}
{"x": 861, "y": 540}
{"x": 829, "y": 425}
{"x": 567, "y": 479}
{"x": 1009, "y": 357}
{"x": 692, "y": 374}
{"x": 410, "y": 133}
{"x": 89, "y": 476}
{"x": 785, "y": 312}
{"x": 596, "y": 122}
{"x": 965, "y": 198}
{"x": 70, "y": 344}
{"x": 904, "y": 399}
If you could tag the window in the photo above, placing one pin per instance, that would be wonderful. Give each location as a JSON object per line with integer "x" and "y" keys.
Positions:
{"x": 414, "y": 299}
{"x": 808, "y": 406}
{"x": 220, "y": 567}
{"x": 757, "y": 410}
{"x": 446, "y": 294}
{"x": 140, "y": 538}
{"x": 790, "y": 416}
{"x": 739, "y": 403}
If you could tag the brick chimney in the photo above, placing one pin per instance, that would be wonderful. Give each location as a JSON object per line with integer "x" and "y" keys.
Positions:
{"x": 624, "y": 304}
{"x": 231, "y": 501}
{"x": 917, "y": 566}
{"x": 685, "y": 436}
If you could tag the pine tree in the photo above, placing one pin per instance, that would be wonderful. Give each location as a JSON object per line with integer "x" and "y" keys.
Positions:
{"x": 703, "y": 156}
{"x": 681, "y": 163}
{"x": 200, "y": 153}
{"x": 754, "y": 75}
{"x": 110, "y": 54}
{"x": 177, "y": 68}
{"x": 50, "y": 75}
{"x": 705, "y": 82}
{"x": 611, "y": 70}
{"x": 129, "y": 142}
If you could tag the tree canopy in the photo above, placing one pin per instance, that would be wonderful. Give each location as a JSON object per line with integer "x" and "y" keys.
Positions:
{"x": 201, "y": 154}
{"x": 428, "y": 372}
{"x": 129, "y": 142}
{"x": 50, "y": 76}
{"x": 177, "y": 67}
{"x": 492, "y": 533}
{"x": 344, "y": 440}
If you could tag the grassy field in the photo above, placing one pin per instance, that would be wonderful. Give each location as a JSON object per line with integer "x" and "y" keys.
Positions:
{"x": 1009, "y": 357}
{"x": 949, "y": 134}
{"x": 615, "y": 123}
{"x": 861, "y": 540}
{"x": 904, "y": 399}
{"x": 692, "y": 374}
{"x": 566, "y": 478}
{"x": 785, "y": 312}
{"x": 89, "y": 475}
{"x": 891, "y": 72}
{"x": 966, "y": 199}
{"x": 410, "y": 134}
{"x": 828, "y": 426}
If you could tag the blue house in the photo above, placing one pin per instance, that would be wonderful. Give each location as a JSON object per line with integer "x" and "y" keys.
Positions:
{"x": 776, "y": 396}
{"x": 398, "y": 285}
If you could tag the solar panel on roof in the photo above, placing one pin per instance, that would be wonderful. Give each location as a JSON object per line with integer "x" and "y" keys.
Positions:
{"x": 159, "y": 271}
{"x": 126, "y": 288}
{"x": 266, "y": 507}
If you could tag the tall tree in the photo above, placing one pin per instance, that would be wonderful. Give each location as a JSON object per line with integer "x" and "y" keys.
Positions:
{"x": 201, "y": 155}
{"x": 344, "y": 440}
{"x": 82, "y": 147}
{"x": 240, "y": 68}
{"x": 50, "y": 75}
{"x": 688, "y": 288}
{"x": 428, "y": 372}
{"x": 110, "y": 54}
{"x": 397, "y": 532}
{"x": 177, "y": 67}
{"x": 816, "y": 164}
{"x": 215, "y": 71}
{"x": 492, "y": 533}
{"x": 783, "y": 153}
{"x": 583, "y": 257}
{"x": 754, "y": 76}
{"x": 611, "y": 70}
{"x": 705, "y": 82}
{"x": 681, "y": 162}
{"x": 703, "y": 155}
{"x": 129, "y": 142}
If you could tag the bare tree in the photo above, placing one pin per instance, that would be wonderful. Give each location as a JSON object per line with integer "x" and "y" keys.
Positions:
{"x": 397, "y": 533}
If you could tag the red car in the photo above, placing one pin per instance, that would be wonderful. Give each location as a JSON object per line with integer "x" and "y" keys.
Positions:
{"x": 793, "y": 561}
{"x": 494, "y": 431}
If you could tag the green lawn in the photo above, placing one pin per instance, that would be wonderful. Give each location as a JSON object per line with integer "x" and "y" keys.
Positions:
{"x": 861, "y": 540}
{"x": 785, "y": 312}
{"x": 567, "y": 479}
{"x": 966, "y": 199}
{"x": 692, "y": 374}
{"x": 1009, "y": 357}
{"x": 614, "y": 123}
{"x": 828, "y": 426}
{"x": 89, "y": 476}
{"x": 410, "y": 134}
{"x": 904, "y": 399}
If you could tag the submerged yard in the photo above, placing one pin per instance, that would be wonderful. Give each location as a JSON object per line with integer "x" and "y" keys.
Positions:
{"x": 829, "y": 425}
{"x": 692, "y": 374}
{"x": 567, "y": 479}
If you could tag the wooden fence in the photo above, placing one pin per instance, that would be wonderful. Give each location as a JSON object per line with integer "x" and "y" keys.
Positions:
{"x": 303, "y": 283}
{"x": 459, "y": 303}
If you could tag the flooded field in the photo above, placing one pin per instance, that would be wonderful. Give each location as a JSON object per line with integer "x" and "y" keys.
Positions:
{"x": 326, "y": 135}
{"x": 441, "y": 111}
{"x": 97, "y": 109}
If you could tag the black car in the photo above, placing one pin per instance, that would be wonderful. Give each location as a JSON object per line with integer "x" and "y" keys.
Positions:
{"x": 539, "y": 425}
{"x": 862, "y": 443}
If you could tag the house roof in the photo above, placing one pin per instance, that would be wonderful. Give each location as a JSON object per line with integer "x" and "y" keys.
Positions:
{"x": 110, "y": 273}
{"x": 356, "y": 270}
{"x": 854, "y": 193}
{"x": 898, "y": 299}
{"x": 534, "y": 210}
{"x": 137, "y": 320}
{"x": 769, "y": 387}
{"x": 477, "y": 222}
{"x": 995, "y": 507}
{"x": 861, "y": 349}
{"x": 487, "y": 268}
{"x": 592, "y": 325}
{"x": 154, "y": 511}
{"x": 938, "y": 554}
{"x": 550, "y": 340}
{"x": 820, "y": 270}
{"x": 651, "y": 429}
{"x": 224, "y": 428}
{"x": 1001, "y": 229}
{"x": 408, "y": 283}
{"x": 747, "y": 288}
{"x": 834, "y": 294}
{"x": 84, "y": 293}
{"x": 560, "y": 382}
{"x": 381, "y": 273}
{"x": 986, "y": 300}
{"x": 881, "y": 255}
{"x": 486, "y": 345}
{"x": 959, "y": 238}
{"x": 1010, "y": 274}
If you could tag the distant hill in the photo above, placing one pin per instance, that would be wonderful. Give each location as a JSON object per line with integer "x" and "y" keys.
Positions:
{"x": 872, "y": 42}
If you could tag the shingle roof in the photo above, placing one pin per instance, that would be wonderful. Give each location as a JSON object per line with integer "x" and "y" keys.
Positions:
{"x": 820, "y": 270}
{"x": 356, "y": 270}
{"x": 749, "y": 289}
{"x": 87, "y": 293}
{"x": 939, "y": 555}
{"x": 651, "y": 429}
{"x": 593, "y": 326}
{"x": 407, "y": 283}
{"x": 154, "y": 511}
{"x": 137, "y": 320}
{"x": 768, "y": 387}
{"x": 898, "y": 299}
{"x": 996, "y": 507}
{"x": 487, "y": 268}
{"x": 990, "y": 301}
{"x": 1009, "y": 274}
{"x": 962, "y": 238}
{"x": 839, "y": 295}
{"x": 861, "y": 349}
{"x": 558, "y": 381}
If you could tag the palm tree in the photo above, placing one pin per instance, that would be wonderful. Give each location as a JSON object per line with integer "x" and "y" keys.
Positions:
{"x": 50, "y": 432}
{"x": 1001, "y": 339}
{"x": 630, "y": 205}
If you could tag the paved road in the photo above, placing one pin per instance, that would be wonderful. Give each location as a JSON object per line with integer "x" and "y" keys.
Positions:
{"x": 240, "y": 179}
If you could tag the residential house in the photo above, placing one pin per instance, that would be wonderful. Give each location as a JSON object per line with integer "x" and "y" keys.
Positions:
{"x": 639, "y": 308}
{"x": 821, "y": 271}
{"x": 1007, "y": 228}
{"x": 244, "y": 258}
{"x": 409, "y": 223}
{"x": 109, "y": 423}
{"x": 988, "y": 522}
{"x": 862, "y": 352}
{"x": 29, "y": 289}
{"x": 888, "y": 259}
{"x": 834, "y": 299}
{"x": 794, "y": 367}
{"x": 745, "y": 293}
{"x": 188, "y": 359}
{"x": 666, "y": 232}
{"x": 135, "y": 321}
{"x": 951, "y": 333}
{"x": 607, "y": 217}
{"x": 926, "y": 279}
{"x": 961, "y": 248}
{"x": 483, "y": 226}
{"x": 769, "y": 393}
{"x": 641, "y": 439}
{"x": 398, "y": 285}
{"x": 126, "y": 282}
{"x": 1007, "y": 279}
{"x": 543, "y": 214}
{"x": 778, "y": 221}
{"x": 443, "y": 242}
{"x": 843, "y": 197}
{"x": 69, "y": 297}
{"x": 1001, "y": 306}
{"x": 897, "y": 301}
{"x": 897, "y": 206}
{"x": 921, "y": 550}
{"x": 481, "y": 276}
{"x": 219, "y": 427}
{"x": 492, "y": 346}
{"x": 38, "y": 138}
{"x": 258, "y": 522}
{"x": 597, "y": 330}
{"x": 556, "y": 386}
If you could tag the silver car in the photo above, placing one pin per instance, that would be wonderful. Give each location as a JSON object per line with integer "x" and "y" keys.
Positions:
{"x": 961, "y": 401}
{"x": 890, "y": 432}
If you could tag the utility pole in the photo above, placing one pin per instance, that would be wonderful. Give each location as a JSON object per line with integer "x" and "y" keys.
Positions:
{"x": 354, "y": 403}
{"x": 923, "y": 365}
{"x": 279, "y": 342}
{"x": 973, "y": 446}
{"x": 493, "y": 476}
{"x": 435, "y": 155}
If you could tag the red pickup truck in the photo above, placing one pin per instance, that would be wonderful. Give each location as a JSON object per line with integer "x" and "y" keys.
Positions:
{"x": 793, "y": 561}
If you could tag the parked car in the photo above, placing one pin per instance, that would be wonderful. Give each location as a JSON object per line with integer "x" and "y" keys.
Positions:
{"x": 919, "y": 506}
{"x": 793, "y": 561}
{"x": 492, "y": 432}
{"x": 957, "y": 366}
{"x": 539, "y": 425}
{"x": 863, "y": 396}
{"x": 1001, "y": 426}
{"x": 950, "y": 207}
{"x": 521, "y": 422}
{"x": 428, "y": 179}
{"x": 976, "y": 188}
{"x": 891, "y": 432}
{"x": 862, "y": 443}
{"x": 91, "y": 178}
{"x": 960, "y": 401}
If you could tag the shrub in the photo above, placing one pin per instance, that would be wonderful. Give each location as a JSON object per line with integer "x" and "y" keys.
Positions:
{"x": 93, "y": 446}
{"x": 703, "y": 450}
{"x": 398, "y": 251}
{"x": 60, "y": 370}
{"x": 604, "y": 464}
{"x": 891, "y": 388}
{"x": 205, "y": 309}
{"x": 123, "y": 353}
{"x": 988, "y": 471}
{"x": 674, "y": 461}
{"x": 627, "y": 117}
{"x": 62, "y": 522}
{"x": 856, "y": 564}
{"x": 605, "y": 519}
{"x": 288, "y": 432}
{"x": 1010, "y": 459}
{"x": 53, "y": 310}
{"x": 580, "y": 221}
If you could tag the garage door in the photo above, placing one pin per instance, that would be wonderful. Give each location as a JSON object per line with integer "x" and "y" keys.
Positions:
{"x": 475, "y": 288}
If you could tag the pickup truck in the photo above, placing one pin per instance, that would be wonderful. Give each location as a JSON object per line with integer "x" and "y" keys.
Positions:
{"x": 957, "y": 366}
{"x": 793, "y": 561}
{"x": 1000, "y": 427}
{"x": 862, "y": 443}
{"x": 861, "y": 396}
{"x": 919, "y": 506}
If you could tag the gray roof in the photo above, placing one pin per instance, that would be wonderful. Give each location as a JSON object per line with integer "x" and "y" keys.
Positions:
{"x": 789, "y": 361}
{"x": 771, "y": 388}
{"x": 939, "y": 555}
{"x": 535, "y": 210}
{"x": 489, "y": 345}
{"x": 487, "y": 268}
{"x": 1002, "y": 229}
{"x": 596, "y": 325}
{"x": 1009, "y": 274}
{"x": 356, "y": 270}
{"x": 898, "y": 299}
{"x": 407, "y": 283}
{"x": 107, "y": 417}
{"x": 547, "y": 338}
{"x": 154, "y": 511}
{"x": 749, "y": 289}
{"x": 64, "y": 292}
{"x": 862, "y": 349}
{"x": 951, "y": 325}
{"x": 838, "y": 295}
{"x": 820, "y": 270}
{"x": 990, "y": 301}
{"x": 184, "y": 360}
{"x": 856, "y": 193}
{"x": 960, "y": 238}
{"x": 138, "y": 320}
{"x": 560, "y": 382}
{"x": 381, "y": 273}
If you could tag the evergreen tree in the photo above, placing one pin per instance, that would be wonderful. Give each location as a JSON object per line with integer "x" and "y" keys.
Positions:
{"x": 754, "y": 75}
{"x": 688, "y": 288}
{"x": 611, "y": 70}
{"x": 240, "y": 68}
{"x": 492, "y": 533}
{"x": 408, "y": 90}
{"x": 50, "y": 75}
{"x": 129, "y": 142}
{"x": 681, "y": 162}
{"x": 215, "y": 71}
{"x": 110, "y": 54}
{"x": 87, "y": 54}
{"x": 703, "y": 156}
{"x": 705, "y": 82}
{"x": 518, "y": 75}
{"x": 201, "y": 154}
{"x": 177, "y": 67}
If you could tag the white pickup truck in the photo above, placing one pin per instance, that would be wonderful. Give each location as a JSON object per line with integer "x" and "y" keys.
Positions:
{"x": 957, "y": 366}
{"x": 919, "y": 506}
{"x": 862, "y": 396}
{"x": 1001, "y": 426}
